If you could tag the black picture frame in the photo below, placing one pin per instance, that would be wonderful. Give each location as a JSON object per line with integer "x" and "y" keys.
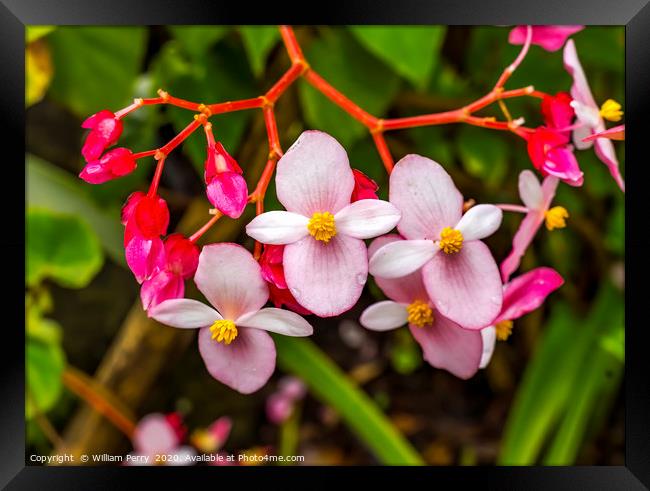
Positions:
{"x": 634, "y": 14}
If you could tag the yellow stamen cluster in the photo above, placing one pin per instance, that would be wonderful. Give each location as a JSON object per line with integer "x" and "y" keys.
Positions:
{"x": 321, "y": 226}
{"x": 451, "y": 240}
{"x": 420, "y": 314}
{"x": 611, "y": 110}
{"x": 504, "y": 330}
{"x": 224, "y": 331}
{"x": 556, "y": 217}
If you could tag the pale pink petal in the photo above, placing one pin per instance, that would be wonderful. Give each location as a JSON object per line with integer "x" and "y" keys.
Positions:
{"x": 551, "y": 38}
{"x": 276, "y": 320}
{"x": 231, "y": 280}
{"x": 579, "y": 135}
{"x": 367, "y": 218}
{"x": 245, "y": 365}
{"x": 162, "y": 286}
{"x": 614, "y": 133}
{"x": 530, "y": 190}
{"x": 479, "y": 222}
{"x": 184, "y": 313}
{"x": 448, "y": 346}
{"x": 605, "y": 151}
{"x": 401, "y": 258}
{"x": 549, "y": 186}
{"x": 228, "y": 193}
{"x": 580, "y": 90}
{"x": 314, "y": 175}
{"x": 278, "y": 227}
{"x": 489, "y": 338}
{"x": 154, "y": 434}
{"x": 144, "y": 256}
{"x": 326, "y": 279}
{"x": 520, "y": 242}
{"x": 527, "y": 292}
{"x": 405, "y": 289}
{"x": 465, "y": 287}
{"x": 426, "y": 196}
{"x": 384, "y": 316}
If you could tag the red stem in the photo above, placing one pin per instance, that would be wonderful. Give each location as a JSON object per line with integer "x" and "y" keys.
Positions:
{"x": 384, "y": 151}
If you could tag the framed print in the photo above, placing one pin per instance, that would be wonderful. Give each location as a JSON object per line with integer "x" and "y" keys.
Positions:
{"x": 387, "y": 235}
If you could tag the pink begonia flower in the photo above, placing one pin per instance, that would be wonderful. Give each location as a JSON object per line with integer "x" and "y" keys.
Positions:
{"x": 537, "y": 199}
{"x": 615, "y": 133}
{"x": 364, "y": 187}
{"x": 281, "y": 404}
{"x": 590, "y": 116}
{"x": 551, "y": 154}
{"x": 181, "y": 260}
{"x": 557, "y": 111}
{"x": 212, "y": 438}
{"x": 145, "y": 218}
{"x": 551, "y": 38}
{"x": 113, "y": 164}
{"x": 158, "y": 434}
{"x": 226, "y": 188}
{"x": 521, "y": 296}
{"x": 273, "y": 273}
{"x": 458, "y": 270}
{"x": 233, "y": 341}
{"x": 444, "y": 343}
{"x": 325, "y": 259}
{"x": 105, "y": 130}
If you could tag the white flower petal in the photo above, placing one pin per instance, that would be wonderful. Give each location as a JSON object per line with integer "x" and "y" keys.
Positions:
{"x": 384, "y": 316}
{"x": 276, "y": 320}
{"x": 489, "y": 337}
{"x": 278, "y": 227}
{"x": 184, "y": 313}
{"x": 530, "y": 190}
{"x": 479, "y": 222}
{"x": 401, "y": 258}
{"x": 367, "y": 218}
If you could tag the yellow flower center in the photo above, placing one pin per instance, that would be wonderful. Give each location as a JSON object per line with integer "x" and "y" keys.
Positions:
{"x": 204, "y": 441}
{"x": 321, "y": 226}
{"x": 611, "y": 110}
{"x": 420, "y": 314}
{"x": 504, "y": 330}
{"x": 451, "y": 240}
{"x": 224, "y": 331}
{"x": 556, "y": 217}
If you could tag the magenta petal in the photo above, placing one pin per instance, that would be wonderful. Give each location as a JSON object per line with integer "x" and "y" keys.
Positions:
{"x": 527, "y": 292}
{"x": 605, "y": 152}
{"x": 562, "y": 163}
{"x": 326, "y": 279}
{"x": 465, "y": 287}
{"x": 144, "y": 256}
{"x": 520, "y": 242}
{"x": 404, "y": 289}
{"x": 448, "y": 346}
{"x": 551, "y": 38}
{"x": 160, "y": 287}
{"x": 95, "y": 173}
{"x": 245, "y": 365}
{"x": 228, "y": 193}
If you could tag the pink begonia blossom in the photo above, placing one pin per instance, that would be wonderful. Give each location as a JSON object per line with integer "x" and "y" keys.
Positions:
{"x": 325, "y": 259}
{"x": 590, "y": 116}
{"x": 364, "y": 187}
{"x": 113, "y": 164}
{"x": 615, "y": 133}
{"x": 145, "y": 218}
{"x": 281, "y": 404}
{"x": 521, "y": 296}
{"x": 181, "y": 260}
{"x": 444, "y": 343}
{"x": 537, "y": 199}
{"x": 551, "y": 38}
{"x": 226, "y": 188}
{"x": 233, "y": 341}
{"x": 458, "y": 270}
{"x": 105, "y": 130}
{"x": 551, "y": 154}
{"x": 158, "y": 434}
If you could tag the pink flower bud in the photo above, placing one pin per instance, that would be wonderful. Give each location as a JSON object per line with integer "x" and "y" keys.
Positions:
{"x": 105, "y": 130}
{"x": 551, "y": 155}
{"x": 113, "y": 164}
{"x": 228, "y": 193}
{"x": 273, "y": 274}
{"x": 364, "y": 187}
{"x": 557, "y": 110}
{"x": 181, "y": 256}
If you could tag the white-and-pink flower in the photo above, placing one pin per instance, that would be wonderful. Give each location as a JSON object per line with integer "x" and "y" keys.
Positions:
{"x": 157, "y": 435}
{"x": 458, "y": 270}
{"x": 233, "y": 341}
{"x": 444, "y": 343}
{"x": 325, "y": 259}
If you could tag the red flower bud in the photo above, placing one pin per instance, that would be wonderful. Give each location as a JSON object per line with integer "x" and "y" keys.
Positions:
{"x": 364, "y": 187}
{"x": 557, "y": 110}
{"x": 113, "y": 164}
{"x": 105, "y": 130}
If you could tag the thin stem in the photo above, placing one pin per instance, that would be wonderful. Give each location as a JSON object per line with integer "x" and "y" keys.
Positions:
{"x": 123, "y": 112}
{"x": 197, "y": 235}
{"x": 153, "y": 188}
{"x": 513, "y": 208}
{"x": 513, "y": 66}
{"x": 275, "y": 150}
{"x": 148, "y": 153}
{"x": 291, "y": 44}
{"x": 232, "y": 106}
{"x": 384, "y": 151}
{"x": 289, "y": 77}
{"x": 178, "y": 139}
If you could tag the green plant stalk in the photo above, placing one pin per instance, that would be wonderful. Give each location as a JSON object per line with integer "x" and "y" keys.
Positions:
{"x": 328, "y": 383}
{"x": 290, "y": 435}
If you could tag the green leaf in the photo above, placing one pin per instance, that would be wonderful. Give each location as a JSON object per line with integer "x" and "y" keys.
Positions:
{"x": 44, "y": 364}
{"x": 54, "y": 189}
{"x": 484, "y": 154}
{"x": 328, "y": 383}
{"x": 197, "y": 40}
{"x": 95, "y": 66}
{"x": 339, "y": 58}
{"x": 412, "y": 51}
{"x": 258, "y": 42}
{"x": 62, "y": 248}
